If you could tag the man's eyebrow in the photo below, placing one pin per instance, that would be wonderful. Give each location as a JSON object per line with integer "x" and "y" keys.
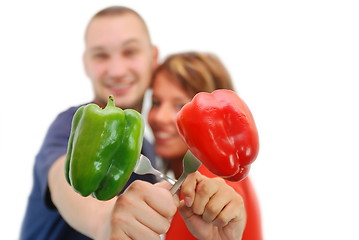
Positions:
{"x": 126, "y": 43}
{"x": 96, "y": 49}
{"x": 130, "y": 41}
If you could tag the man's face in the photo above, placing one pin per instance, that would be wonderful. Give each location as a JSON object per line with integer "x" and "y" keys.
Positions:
{"x": 119, "y": 59}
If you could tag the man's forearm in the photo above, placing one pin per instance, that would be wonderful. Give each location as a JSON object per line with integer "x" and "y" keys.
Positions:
{"x": 85, "y": 214}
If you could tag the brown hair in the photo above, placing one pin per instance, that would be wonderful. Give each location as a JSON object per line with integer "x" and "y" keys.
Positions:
{"x": 196, "y": 72}
{"x": 118, "y": 11}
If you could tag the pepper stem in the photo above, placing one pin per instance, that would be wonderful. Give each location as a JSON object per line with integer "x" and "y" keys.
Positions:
{"x": 110, "y": 101}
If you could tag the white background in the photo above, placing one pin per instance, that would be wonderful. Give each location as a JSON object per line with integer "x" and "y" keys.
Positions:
{"x": 295, "y": 63}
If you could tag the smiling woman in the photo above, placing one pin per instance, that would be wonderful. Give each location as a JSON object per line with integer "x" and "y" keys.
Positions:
{"x": 175, "y": 83}
{"x": 295, "y": 63}
{"x": 167, "y": 99}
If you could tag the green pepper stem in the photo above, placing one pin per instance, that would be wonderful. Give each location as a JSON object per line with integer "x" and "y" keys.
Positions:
{"x": 110, "y": 101}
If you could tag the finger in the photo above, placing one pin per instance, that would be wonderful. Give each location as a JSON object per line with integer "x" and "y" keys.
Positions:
{"x": 188, "y": 188}
{"x": 124, "y": 223}
{"x": 152, "y": 220}
{"x": 131, "y": 208}
{"x": 206, "y": 188}
{"x": 143, "y": 233}
{"x": 215, "y": 205}
{"x": 162, "y": 201}
{"x": 233, "y": 211}
{"x": 155, "y": 197}
{"x": 186, "y": 212}
{"x": 163, "y": 184}
{"x": 131, "y": 229}
{"x": 168, "y": 186}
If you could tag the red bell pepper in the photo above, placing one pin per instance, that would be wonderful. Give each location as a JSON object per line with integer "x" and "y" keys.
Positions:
{"x": 219, "y": 129}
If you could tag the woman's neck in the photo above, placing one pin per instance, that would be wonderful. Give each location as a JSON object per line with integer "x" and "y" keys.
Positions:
{"x": 176, "y": 166}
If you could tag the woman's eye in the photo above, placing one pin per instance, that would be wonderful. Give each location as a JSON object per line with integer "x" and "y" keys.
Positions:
{"x": 155, "y": 103}
{"x": 179, "y": 106}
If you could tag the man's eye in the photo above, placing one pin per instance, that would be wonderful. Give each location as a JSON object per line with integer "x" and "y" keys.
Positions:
{"x": 100, "y": 56}
{"x": 130, "y": 52}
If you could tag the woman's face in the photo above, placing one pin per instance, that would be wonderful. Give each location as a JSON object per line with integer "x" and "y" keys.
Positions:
{"x": 167, "y": 99}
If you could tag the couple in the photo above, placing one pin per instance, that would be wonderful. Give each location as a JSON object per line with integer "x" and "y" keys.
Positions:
{"x": 120, "y": 60}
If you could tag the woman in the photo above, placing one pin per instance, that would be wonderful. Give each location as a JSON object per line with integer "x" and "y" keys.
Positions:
{"x": 175, "y": 82}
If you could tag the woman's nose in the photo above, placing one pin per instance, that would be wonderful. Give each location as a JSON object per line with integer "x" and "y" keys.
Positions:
{"x": 164, "y": 114}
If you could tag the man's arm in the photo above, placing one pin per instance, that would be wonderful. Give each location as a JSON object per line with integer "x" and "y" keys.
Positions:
{"x": 85, "y": 214}
{"x": 143, "y": 211}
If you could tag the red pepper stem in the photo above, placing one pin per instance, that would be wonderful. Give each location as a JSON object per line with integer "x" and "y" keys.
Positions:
{"x": 110, "y": 101}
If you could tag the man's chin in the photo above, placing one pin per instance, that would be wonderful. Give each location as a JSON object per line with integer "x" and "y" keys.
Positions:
{"x": 126, "y": 102}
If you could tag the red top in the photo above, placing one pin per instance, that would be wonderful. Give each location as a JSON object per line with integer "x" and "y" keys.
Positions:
{"x": 253, "y": 230}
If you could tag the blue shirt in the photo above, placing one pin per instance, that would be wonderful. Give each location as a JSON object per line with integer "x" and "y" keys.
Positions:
{"x": 42, "y": 220}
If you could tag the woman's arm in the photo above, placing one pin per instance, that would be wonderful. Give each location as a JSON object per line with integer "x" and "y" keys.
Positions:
{"x": 212, "y": 209}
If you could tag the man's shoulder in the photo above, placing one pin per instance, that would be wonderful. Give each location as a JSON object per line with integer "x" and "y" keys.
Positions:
{"x": 67, "y": 114}
{"x": 70, "y": 111}
{"x": 62, "y": 123}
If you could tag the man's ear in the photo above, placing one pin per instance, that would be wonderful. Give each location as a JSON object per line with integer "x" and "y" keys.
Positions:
{"x": 84, "y": 63}
{"x": 155, "y": 57}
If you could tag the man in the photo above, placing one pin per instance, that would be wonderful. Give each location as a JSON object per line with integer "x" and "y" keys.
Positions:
{"x": 119, "y": 59}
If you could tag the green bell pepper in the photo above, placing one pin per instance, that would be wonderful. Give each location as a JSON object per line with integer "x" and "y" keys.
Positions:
{"x": 103, "y": 149}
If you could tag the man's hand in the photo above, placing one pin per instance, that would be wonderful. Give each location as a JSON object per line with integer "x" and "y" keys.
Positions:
{"x": 212, "y": 209}
{"x": 143, "y": 211}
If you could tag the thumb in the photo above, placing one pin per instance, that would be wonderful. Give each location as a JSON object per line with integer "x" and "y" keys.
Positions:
{"x": 186, "y": 212}
{"x": 163, "y": 184}
{"x": 167, "y": 185}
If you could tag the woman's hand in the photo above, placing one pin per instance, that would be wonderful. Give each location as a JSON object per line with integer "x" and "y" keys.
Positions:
{"x": 212, "y": 209}
{"x": 143, "y": 211}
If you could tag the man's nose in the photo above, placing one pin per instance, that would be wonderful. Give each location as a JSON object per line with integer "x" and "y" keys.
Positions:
{"x": 117, "y": 66}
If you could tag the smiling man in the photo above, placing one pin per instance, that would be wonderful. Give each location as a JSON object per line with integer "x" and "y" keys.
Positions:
{"x": 119, "y": 59}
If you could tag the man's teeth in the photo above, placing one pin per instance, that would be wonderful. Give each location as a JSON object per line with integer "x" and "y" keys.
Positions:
{"x": 121, "y": 85}
{"x": 163, "y": 135}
